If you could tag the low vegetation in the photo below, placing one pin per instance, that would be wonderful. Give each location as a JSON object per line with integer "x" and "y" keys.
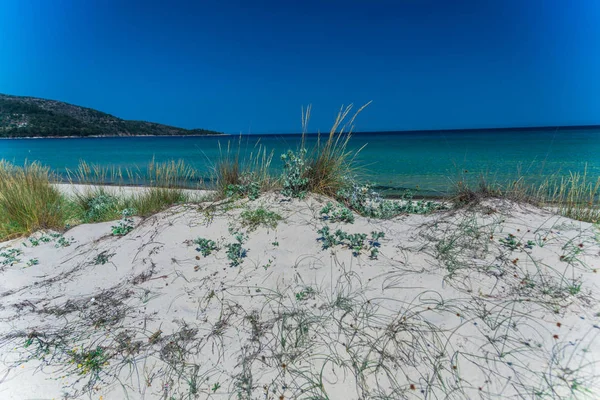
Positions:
{"x": 29, "y": 202}
{"x": 260, "y": 216}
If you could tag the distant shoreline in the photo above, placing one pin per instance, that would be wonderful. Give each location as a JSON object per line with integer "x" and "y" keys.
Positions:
{"x": 418, "y": 131}
{"x": 107, "y": 136}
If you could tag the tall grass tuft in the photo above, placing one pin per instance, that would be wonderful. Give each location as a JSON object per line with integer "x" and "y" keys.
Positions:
{"x": 28, "y": 201}
{"x": 576, "y": 196}
{"x": 234, "y": 174}
{"x": 164, "y": 186}
{"x": 331, "y": 162}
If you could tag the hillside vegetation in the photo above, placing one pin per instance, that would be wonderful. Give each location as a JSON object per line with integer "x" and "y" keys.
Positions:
{"x": 31, "y": 116}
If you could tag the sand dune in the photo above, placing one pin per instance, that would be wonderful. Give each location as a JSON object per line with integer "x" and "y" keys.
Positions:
{"x": 447, "y": 306}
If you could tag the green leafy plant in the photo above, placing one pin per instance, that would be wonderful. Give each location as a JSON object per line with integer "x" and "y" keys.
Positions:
{"x": 99, "y": 207}
{"x": 249, "y": 188}
{"x": 512, "y": 243}
{"x": 294, "y": 182}
{"x": 206, "y": 246}
{"x": 574, "y": 288}
{"x": 125, "y": 225}
{"x": 334, "y": 213}
{"x": 235, "y": 251}
{"x": 355, "y": 241}
{"x": 305, "y": 294}
{"x": 89, "y": 362}
{"x": 9, "y": 257}
{"x": 366, "y": 201}
{"x": 102, "y": 258}
{"x": 32, "y": 262}
{"x": 260, "y": 216}
{"x": 63, "y": 242}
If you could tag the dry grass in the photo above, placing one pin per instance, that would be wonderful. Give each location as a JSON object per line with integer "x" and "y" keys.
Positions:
{"x": 27, "y": 200}
{"x": 232, "y": 170}
{"x": 576, "y": 196}
{"x": 331, "y": 163}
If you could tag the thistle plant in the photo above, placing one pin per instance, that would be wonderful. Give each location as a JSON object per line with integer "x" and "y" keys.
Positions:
{"x": 295, "y": 184}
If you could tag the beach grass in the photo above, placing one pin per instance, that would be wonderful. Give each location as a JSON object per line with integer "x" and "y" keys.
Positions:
{"x": 237, "y": 174}
{"x": 576, "y": 196}
{"x": 331, "y": 162}
{"x": 28, "y": 202}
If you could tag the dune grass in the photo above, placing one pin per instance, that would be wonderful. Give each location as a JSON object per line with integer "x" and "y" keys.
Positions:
{"x": 237, "y": 174}
{"x": 331, "y": 163}
{"x": 576, "y": 196}
{"x": 27, "y": 200}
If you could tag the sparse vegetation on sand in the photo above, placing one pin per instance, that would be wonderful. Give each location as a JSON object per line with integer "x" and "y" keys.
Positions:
{"x": 300, "y": 284}
{"x": 455, "y": 303}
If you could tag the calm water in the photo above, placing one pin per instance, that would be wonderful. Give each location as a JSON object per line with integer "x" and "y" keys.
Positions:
{"x": 428, "y": 160}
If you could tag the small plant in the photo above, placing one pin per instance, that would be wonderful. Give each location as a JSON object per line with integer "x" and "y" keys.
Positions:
{"x": 33, "y": 242}
{"x": 275, "y": 244}
{"x": 99, "y": 207}
{"x": 63, "y": 242}
{"x": 32, "y": 262}
{"x": 511, "y": 242}
{"x": 374, "y": 253}
{"x": 305, "y": 294}
{"x": 355, "y": 241}
{"x": 89, "y": 362}
{"x": 268, "y": 264}
{"x": 260, "y": 216}
{"x": 235, "y": 251}
{"x": 9, "y": 257}
{"x": 337, "y": 213}
{"x": 206, "y": 246}
{"x": 574, "y": 288}
{"x": 102, "y": 258}
{"x": 125, "y": 225}
{"x": 366, "y": 201}
{"x": 295, "y": 184}
{"x": 215, "y": 387}
{"x": 128, "y": 212}
{"x": 249, "y": 188}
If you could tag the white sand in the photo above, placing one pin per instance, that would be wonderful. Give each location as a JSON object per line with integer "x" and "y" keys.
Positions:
{"x": 73, "y": 189}
{"x": 446, "y": 311}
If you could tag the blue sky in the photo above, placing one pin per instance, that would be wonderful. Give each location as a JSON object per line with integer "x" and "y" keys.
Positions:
{"x": 249, "y": 66}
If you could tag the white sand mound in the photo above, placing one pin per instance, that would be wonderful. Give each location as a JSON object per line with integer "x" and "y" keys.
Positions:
{"x": 450, "y": 307}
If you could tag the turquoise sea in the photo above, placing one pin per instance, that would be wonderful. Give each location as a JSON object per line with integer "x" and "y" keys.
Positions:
{"x": 392, "y": 160}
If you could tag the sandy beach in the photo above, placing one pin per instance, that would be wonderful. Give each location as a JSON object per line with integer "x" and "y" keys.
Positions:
{"x": 496, "y": 301}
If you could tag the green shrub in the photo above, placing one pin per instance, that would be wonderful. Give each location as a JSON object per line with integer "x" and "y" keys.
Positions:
{"x": 294, "y": 182}
{"x": 354, "y": 242}
{"x": 260, "y": 216}
{"x": 334, "y": 213}
{"x": 98, "y": 208}
{"x": 206, "y": 246}
{"x": 235, "y": 251}
{"x": 369, "y": 203}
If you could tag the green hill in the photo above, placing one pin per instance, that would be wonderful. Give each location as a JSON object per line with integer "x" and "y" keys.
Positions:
{"x": 33, "y": 117}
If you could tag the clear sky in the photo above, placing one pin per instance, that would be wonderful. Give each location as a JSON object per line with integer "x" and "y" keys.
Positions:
{"x": 249, "y": 66}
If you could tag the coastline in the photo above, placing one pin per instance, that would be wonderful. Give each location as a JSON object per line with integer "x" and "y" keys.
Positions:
{"x": 109, "y": 136}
